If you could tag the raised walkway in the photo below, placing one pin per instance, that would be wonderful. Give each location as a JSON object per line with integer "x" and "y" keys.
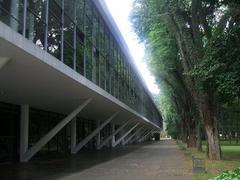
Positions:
{"x": 157, "y": 161}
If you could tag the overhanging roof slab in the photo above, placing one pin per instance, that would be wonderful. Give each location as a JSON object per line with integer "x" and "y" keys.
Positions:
{"x": 35, "y": 77}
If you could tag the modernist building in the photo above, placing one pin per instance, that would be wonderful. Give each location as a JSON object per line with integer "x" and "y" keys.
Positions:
{"x": 67, "y": 81}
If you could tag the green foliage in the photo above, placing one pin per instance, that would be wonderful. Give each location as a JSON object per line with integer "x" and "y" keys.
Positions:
{"x": 162, "y": 56}
{"x": 220, "y": 69}
{"x": 228, "y": 175}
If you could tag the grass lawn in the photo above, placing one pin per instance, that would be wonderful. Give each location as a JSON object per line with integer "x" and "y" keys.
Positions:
{"x": 231, "y": 161}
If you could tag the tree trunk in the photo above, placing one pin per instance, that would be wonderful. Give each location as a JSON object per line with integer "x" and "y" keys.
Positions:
{"x": 211, "y": 127}
{"x": 199, "y": 136}
{"x": 192, "y": 139}
{"x": 191, "y": 133}
{"x": 183, "y": 132}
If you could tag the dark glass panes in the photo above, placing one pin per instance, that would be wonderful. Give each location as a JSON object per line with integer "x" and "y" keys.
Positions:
{"x": 95, "y": 36}
{"x": 108, "y": 76}
{"x": 101, "y": 36}
{"x": 106, "y": 41}
{"x": 102, "y": 72}
{"x": 11, "y": 13}
{"x": 79, "y": 52}
{"x": 88, "y": 51}
{"x": 35, "y": 22}
{"x": 79, "y": 59}
{"x": 116, "y": 83}
{"x": 5, "y": 11}
{"x": 88, "y": 29}
{"x": 80, "y": 13}
{"x": 69, "y": 8}
{"x": 38, "y": 8}
{"x": 68, "y": 55}
{"x": 95, "y": 65}
{"x": 35, "y": 30}
{"x": 59, "y": 2}
{"x": 55, "y": 9}
{"x": 68, "y": 30}
{"x": 54, "y": 36}
{"x": 88, "y": 9}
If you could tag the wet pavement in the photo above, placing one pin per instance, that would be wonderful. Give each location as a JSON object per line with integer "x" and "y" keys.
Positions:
{"x": 156, "y": 161}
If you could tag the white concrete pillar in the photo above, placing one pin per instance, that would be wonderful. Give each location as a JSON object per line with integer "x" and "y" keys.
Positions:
{"x": 113, "y": 130}
{"x": 98, "y": 134}
{"x": 45, "y": 139}
{"x": 93, "y": 134}
{"x": 124, "y": 135}
{"x": 113, "y": 134}
{"x": 133, "y": 135}
{"x": 73, "y": 133}
{"x": 24, "y": 130}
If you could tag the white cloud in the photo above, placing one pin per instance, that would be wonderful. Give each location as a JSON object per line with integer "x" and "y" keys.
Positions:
{"x": 120, "y": 11}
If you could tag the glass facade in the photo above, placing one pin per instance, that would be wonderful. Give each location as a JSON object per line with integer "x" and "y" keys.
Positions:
{"x": 75, "y": 33}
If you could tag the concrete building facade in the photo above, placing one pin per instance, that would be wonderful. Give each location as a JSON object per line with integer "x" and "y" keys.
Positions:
{"x": 67, "y": 81}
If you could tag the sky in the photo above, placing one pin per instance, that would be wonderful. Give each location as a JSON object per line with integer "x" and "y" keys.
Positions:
{"x": 120, "y": 10}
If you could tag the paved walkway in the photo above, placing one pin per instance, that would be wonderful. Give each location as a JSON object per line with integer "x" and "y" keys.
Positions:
{"x": 158, "y": 161}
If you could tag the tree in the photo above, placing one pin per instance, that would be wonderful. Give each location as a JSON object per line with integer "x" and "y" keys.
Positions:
{"x": 194, "y": 25}
{"x": 164, "y": 62}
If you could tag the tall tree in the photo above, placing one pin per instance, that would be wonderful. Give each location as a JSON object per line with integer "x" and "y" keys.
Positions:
{"x": 194, "y": 26}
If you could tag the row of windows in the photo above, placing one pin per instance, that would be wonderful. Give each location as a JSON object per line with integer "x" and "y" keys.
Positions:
{"x": 74, "y": 32}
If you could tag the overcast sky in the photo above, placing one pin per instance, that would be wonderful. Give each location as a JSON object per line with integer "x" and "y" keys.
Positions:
{"x": 120, "y": 10}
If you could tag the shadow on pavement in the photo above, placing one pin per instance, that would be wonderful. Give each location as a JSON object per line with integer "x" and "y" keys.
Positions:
{"x": 55, "y": 167}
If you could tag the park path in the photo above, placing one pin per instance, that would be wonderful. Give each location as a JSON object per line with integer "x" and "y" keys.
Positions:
{"x": 157, "y": 161}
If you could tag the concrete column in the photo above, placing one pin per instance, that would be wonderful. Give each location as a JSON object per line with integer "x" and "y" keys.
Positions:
{"x": 124, "y": 135}
{"x": 134, "y": 140}
{"x": 45, "y": 139}
{"x": 98, "y": 134}
{"x": 73, "y": 133}
{"x": 144, "y": 137}
{"x": 113, "y": 134}
{"x": 133, "y": 135}
{"x": 141, "y": 135}
{"x": 24, "y": 130}
{"x": 94, "y": 133}
{"x": 113, "y": 130}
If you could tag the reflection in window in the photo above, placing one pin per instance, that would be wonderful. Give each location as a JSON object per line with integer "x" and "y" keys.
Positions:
{"x": 11, "y": 13}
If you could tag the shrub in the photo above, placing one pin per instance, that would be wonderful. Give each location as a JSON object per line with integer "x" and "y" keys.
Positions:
{"x": 228, "y": 175}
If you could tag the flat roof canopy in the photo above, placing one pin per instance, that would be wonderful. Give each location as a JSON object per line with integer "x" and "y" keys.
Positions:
{"x": 31, "y": 75}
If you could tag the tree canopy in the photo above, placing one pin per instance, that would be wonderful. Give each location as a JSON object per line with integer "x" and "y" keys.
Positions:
{"x": 193, "y": 50}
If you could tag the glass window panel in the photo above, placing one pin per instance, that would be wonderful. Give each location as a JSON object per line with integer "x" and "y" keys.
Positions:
{"x": 108, "y": 75}
{"x": 97, "y": 66}
{"x": 35, "y": 22}
{"x": 11, "y": 13}
{"x": 54, "y": 36}
{"x": 88, "y": 29}
{"x": 59, "y": 2}
{"x": 102, "y": 72}
{"x": 68, "y": 54}
{"x": 106, "y": 41}
{"x": 101, "y": 36}
{"x": 80, "y": 13}
{"x": 88, "y": 50}
{"x": 88, "y": 9}
{"x": 95, "y": 32}
{"x": 55, "y": 9}
{"x": 69, "y": 8}
{"x": 35, "y": 30}
{"x": 68, "y": 30}
{"x": 38, "y": 8}
{"x": 79, "y": 56}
